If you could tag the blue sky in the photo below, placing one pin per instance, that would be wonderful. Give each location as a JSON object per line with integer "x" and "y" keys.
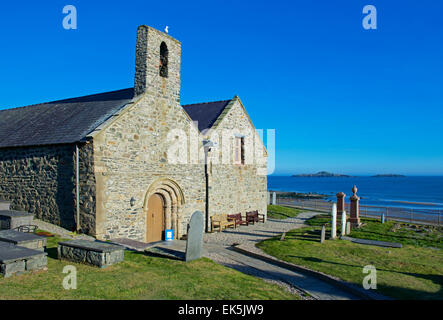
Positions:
{"x": 340, "y": 98}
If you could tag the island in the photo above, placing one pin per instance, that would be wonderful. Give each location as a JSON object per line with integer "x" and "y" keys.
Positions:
{"x": 321, "y": 174}
{"x": 388, "y": 176}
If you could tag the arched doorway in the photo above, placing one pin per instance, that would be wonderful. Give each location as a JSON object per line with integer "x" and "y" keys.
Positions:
{"x": 155, "y": 218}
{"x": 173, "y": 200}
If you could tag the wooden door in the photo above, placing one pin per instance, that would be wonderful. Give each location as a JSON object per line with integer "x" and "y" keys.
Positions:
{"x": 155, "y": 220}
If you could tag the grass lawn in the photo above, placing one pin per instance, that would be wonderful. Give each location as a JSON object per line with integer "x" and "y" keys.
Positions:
{"x": 140, "y": 277}
{"x": 280, "y": 212}
{"x": 412, "y": 272}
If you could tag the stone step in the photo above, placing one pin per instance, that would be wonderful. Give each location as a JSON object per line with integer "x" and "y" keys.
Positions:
{"x": 5, "y": 205}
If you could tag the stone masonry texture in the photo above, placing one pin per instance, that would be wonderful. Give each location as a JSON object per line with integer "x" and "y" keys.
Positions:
{"x": 128, "y": 160}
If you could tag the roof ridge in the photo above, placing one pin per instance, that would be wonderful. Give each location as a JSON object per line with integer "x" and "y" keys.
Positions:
{"x": 60, "y": 100}
{"x": 193, "y": 104}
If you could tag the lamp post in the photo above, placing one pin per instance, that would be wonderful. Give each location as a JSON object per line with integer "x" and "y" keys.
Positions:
{"x": 207, "y": 145}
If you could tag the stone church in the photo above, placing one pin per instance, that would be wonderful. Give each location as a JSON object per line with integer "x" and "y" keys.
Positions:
{"x": 134, "y": 162}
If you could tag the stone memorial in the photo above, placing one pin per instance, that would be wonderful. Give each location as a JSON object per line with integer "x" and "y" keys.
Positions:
{"x": 26, "y": 240}
{"x": 194, "y": 244}
{"x": 382, "y": 218}
{"x": 10, "y": 219}
{"x": 323, "y": 234}
{"x": 348, "y": 228}
{"x": 274, "y": 198}
{"x": 343, "y": 223}
{"x": 17, "y": 260}
{"x": 354, "y": 217}
{"x": 96, "y": 253}
{"x": 340, "y": 203}
{"x": 334, "y": 221}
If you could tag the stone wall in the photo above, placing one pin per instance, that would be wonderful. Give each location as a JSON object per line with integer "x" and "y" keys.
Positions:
{"x": 133, "y": 153}
{"x": 237, "y": 188}
{"x": 87, "y": 191}
{"x": 40, "y": 180}
{"x": 130, "y": 155}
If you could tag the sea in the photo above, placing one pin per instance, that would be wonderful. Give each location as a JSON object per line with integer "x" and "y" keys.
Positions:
{"x": 407, "y": 192}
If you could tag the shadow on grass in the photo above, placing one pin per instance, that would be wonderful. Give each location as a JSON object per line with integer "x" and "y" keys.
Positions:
{"x": 309, "y": 235}
{"x": 398, "y": 292}
{"x": 52, "y": 253}
{"x": 380, "y": 235}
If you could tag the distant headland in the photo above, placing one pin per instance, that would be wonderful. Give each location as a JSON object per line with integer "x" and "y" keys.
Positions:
{"x": 321, "y": 174}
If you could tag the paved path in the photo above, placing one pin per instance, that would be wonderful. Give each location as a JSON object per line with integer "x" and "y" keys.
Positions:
{"x": 217, "y": 247}
{"x": 218, "y": 244}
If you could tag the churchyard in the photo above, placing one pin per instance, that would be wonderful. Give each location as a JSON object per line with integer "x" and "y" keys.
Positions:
{"x": 413, "y": 271}
{"x": 280, "y": 212}
{"x": 139, "y": 277}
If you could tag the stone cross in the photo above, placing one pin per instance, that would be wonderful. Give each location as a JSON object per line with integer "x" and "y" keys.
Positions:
{"x": 334, "y": 221}
{"x": 194, "y": 244}
{"x": 323, "y": 234}
{"x": 348, "y": 228}
{"x": 354, "y": 218}
{"x": 340, "y": 203}
{"x": 343, "y": 223}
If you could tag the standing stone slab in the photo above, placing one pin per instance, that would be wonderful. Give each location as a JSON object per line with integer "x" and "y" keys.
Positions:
{"x": 10, "y": 219}
{"x": 16, "y": 260}
{"x": 323, "y": 234}
{"x": 334, "y": 221}
{"x": 26, "y": 240}
{"x": 194, "y": 244}
{"x": 343, "y": 223}
{"x": 274, "y": 198}
{"x": 348, "y": 228}
{"x": 95, "y": 253}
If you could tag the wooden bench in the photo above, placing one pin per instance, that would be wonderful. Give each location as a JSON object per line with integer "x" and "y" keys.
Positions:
{"x": 254, "y": 216}
{"x": 221, "y": 221}
{"x": 238, "y": 219}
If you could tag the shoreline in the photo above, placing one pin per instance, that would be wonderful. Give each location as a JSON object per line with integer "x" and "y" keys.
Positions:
{"x": 288, "y": 195}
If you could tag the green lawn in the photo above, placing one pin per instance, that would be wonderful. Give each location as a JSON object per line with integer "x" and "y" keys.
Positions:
{"x": 280, "y": 212}
{"x": 140, "y": 277}
{"x": 412, "y": 272}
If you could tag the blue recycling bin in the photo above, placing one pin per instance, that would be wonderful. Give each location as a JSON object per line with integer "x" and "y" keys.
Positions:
{"x": 169, "y": 235}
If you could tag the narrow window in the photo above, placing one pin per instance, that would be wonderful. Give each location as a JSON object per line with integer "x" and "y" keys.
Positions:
{"x": 164, "y": 60}
{"x": 239, "y": 150}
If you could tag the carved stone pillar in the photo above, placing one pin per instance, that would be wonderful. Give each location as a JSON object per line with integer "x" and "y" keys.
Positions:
{"x": 354, "y": 218}
{"x": 340, "y": 203}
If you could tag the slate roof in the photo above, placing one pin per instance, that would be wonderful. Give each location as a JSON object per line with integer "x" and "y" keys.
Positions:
{"x": 205, "y": 113}
{"x": 71, "y": 120}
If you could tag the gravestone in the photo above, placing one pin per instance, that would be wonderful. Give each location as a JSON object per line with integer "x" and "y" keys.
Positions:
{"x": 283, "y": 236}
{"x": 382, "y": 218}
{"x": 274, "y": 198}
{"x": 194, "y": 244}
{"x": 11, "y": 219}
{"x": 26, "y": 240}
{"x": 334, "y": 221}
{"x": 355, "y": 209}
{"x": 343, "y": 223}
{"x": 16, "y": 260}
{"x": 96, "y": 253}
{"x": 323, "y": 234}
{"x": 348, "y": 227}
